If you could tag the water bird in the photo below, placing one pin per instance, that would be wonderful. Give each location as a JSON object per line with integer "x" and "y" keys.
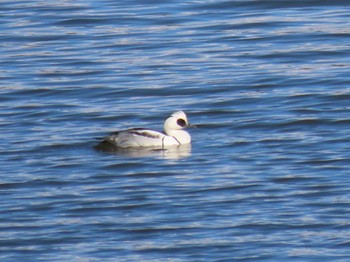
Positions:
{"x": 173, "y": 135}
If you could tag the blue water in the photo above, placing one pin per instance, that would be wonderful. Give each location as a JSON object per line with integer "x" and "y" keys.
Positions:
{"x": 266, "y": 177}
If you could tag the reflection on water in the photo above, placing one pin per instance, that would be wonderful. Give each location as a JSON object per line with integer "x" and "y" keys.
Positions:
{"x": 171, "y": 152}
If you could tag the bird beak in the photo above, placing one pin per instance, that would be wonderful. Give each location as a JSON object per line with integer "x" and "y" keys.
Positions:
{"x": 190, "y": 126}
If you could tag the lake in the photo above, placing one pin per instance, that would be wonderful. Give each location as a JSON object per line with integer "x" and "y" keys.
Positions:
{"x": 266, "y": 177}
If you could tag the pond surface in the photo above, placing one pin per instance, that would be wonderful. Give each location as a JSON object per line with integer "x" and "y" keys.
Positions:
{"x": 266, "y": 177}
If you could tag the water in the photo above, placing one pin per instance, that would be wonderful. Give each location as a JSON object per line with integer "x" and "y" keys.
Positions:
{"x": 266, "y": 177}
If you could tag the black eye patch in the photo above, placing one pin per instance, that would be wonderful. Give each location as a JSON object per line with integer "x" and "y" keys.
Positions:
{"x": 181, "y": 122}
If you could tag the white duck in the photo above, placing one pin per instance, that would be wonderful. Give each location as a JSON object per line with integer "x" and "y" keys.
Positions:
{"x": 173, "y": 135}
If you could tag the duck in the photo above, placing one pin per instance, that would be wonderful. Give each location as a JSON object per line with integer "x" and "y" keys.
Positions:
{"x": 174, "y": 134}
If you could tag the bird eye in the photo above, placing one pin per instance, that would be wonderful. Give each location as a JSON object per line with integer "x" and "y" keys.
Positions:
{"x": 181, "y": 122}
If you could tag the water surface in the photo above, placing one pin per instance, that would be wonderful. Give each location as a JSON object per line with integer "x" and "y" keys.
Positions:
{"x": 267, "y": 84}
